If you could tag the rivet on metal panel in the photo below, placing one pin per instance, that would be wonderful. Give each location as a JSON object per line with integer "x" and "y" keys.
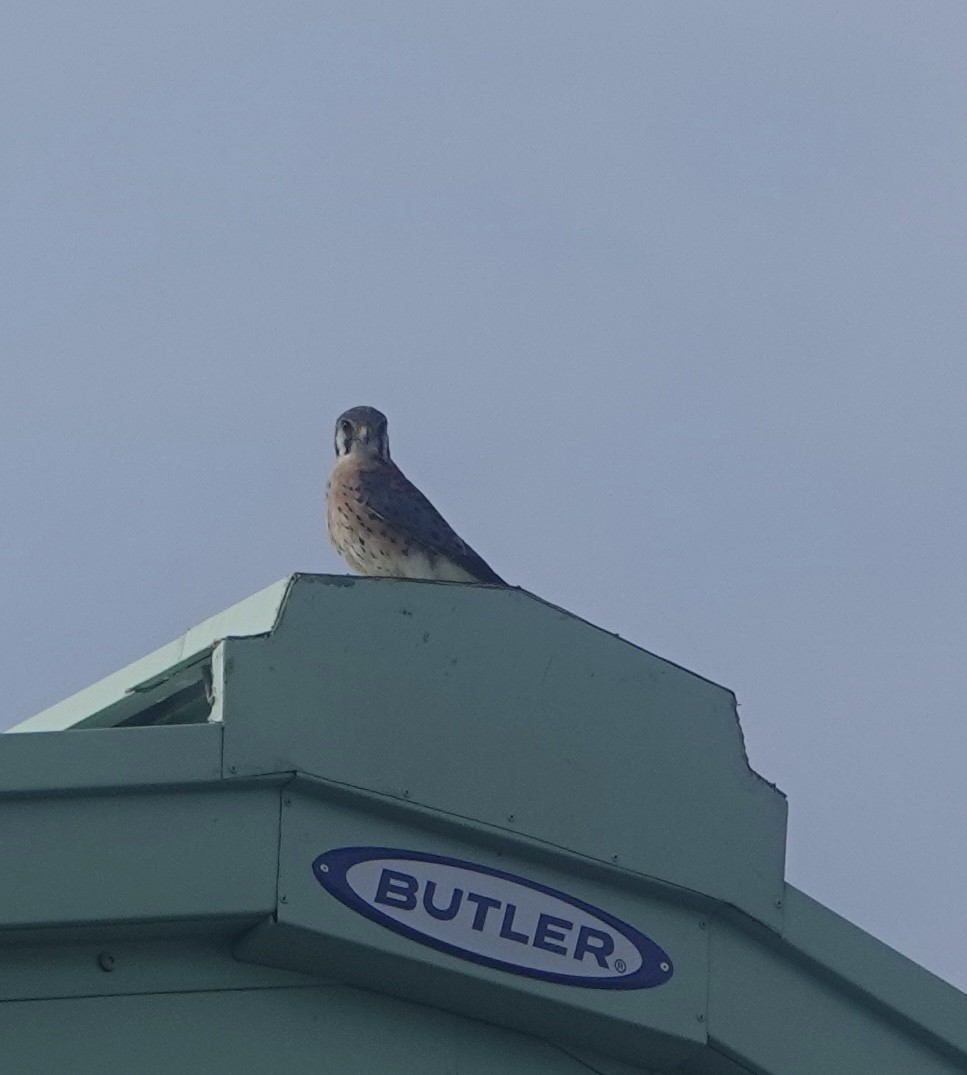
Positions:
{"x": 701, "y": 1017}
{"x": 510, "y": 818}
{"x": 406, "y": 793}
{"x": 287, "y": 801}
{"x": 779, "y": 904}
{"x": 233, "y": 768}
{"x": 614, "y": 858}
{"x": 105, "y": 961}
{"x": 703, "y": 924}
{"x": 283, "y": 898}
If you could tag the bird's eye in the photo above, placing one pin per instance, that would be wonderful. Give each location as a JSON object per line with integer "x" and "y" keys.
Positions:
{"x": 347, "y": 429}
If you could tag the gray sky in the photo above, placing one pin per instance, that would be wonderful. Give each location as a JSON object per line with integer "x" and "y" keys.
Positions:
{"x": 690, "y": 275}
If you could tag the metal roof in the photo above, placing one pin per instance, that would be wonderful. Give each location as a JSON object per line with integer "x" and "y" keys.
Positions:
{"x": 187, "y": 805}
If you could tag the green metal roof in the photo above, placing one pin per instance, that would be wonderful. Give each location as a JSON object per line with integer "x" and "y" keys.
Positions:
{"x": 169, "y": 818}
{"x": 132, "y": 694}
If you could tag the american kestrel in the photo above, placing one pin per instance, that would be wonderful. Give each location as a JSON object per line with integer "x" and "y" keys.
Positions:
{"x": 380, "y": 523}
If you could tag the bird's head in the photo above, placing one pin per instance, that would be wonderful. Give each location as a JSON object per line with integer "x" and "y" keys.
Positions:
{"x": 362, "y": 430}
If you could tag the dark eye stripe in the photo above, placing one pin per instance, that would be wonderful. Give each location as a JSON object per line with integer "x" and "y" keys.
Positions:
{"x": 344, "y": 432}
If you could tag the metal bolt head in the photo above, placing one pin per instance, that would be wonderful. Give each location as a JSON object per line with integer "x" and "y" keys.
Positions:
{"x": 105, "y": 961}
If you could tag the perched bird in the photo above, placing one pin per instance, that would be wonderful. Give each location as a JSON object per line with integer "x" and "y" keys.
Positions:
{"x": 380, "y": 523}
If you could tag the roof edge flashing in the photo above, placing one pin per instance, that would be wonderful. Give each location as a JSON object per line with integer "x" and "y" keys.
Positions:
{"x": 127, "y": 696}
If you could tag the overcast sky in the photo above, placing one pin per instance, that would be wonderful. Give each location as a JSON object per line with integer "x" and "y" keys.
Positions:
{"x": 665, "y": 303}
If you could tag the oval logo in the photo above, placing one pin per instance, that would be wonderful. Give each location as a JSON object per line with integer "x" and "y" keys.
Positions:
{"x": 492, "y": 917}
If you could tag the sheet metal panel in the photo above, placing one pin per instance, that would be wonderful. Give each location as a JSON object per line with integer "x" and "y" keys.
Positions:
{"x": 313, "y": 931}
{"x": 119, "y": 965}
{"x": 930, "y": 1006}
{"x": 51, "y": 762}
{"x": 124, "y": 857}
{"x": 302, "y": 1031}
{"x": 775, "y": 1014}
{"x": 492, "y": 705}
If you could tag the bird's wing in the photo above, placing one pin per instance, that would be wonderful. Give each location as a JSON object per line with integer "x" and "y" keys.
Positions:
{"x": 389, "y": 494}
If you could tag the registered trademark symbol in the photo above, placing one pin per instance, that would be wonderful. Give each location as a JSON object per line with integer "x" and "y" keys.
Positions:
{"x": 620, "y": 966}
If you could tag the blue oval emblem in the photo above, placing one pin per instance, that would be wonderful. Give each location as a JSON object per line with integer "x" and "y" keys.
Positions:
{"x": 491, "y": 917}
